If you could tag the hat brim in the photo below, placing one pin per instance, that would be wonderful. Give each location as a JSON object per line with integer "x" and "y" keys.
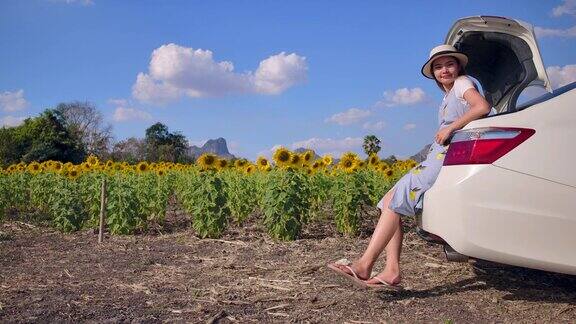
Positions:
{"x": 427, "y": 70}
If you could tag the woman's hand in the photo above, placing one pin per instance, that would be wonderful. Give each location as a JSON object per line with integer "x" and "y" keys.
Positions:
{"x": 443, "y": 135}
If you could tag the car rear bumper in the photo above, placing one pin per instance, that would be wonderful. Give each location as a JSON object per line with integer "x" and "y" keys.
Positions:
{"x": 487, "y": 212}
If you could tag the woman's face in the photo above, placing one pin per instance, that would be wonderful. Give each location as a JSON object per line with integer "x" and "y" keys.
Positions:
{"x": 445, "y": 70}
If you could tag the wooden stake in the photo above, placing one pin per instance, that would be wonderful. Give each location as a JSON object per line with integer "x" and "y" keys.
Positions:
{"x": 102, "y": 211}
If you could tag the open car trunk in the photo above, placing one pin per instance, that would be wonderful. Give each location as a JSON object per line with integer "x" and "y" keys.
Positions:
{"x": 503, "y": 56}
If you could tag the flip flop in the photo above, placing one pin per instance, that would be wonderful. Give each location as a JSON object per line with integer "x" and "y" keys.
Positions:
{"x": 352, "y": 278}
{"x": 383, "y": 285}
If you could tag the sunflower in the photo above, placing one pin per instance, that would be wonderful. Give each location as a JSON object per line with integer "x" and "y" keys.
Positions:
{"x": 241, "y": 163}
{"x": 34, "y": 167}
{"x": 250, "y": 169}
{"x": 360, "y": 164}
{"x": 262, "y": 162}
{"x": 12, "y": 168}
{"x": 373, "y": 160}
{"x": 160, "y": 172}
{"x": 207, "y": 161}
{"x": 73, "y": 173}
{"x": 57, "y": 166}
{"x": 85, "y": 166}
{"x": 347, "y": 161}
{"x": 142, "y": 167}
{"x": 389, "y": 172}
{"x": 295, "y": 160}
{"x": 307, "y": 156}
{"x": 282, "y": 156}
{"x": 317, "y": 165}
{"x": 327, "y": 159}
{"x": 92, "y": 160}
{"x": 221, "y": 164}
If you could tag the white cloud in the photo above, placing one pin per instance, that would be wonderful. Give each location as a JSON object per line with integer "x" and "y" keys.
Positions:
{"x": 233, "y": 147}
{"x": 350, "y": 116}
{"x": 177, "y": 71}
{"x": 409, "y": 126}
{"x": 122, "y": 114}
{"x": 198, "y": 143}
{"x": 550, "y": 32}
{"x": 322, "y": 146}
{"x": 561, "y": 76}
{"x": 330, "y": 145}
{"x": 374, "y": 126}
{"x": 10, "y": 121}
{"x": 13, "y": 101}
{"x": 568, "y": 7}
{"x": 402, "y": 97}
{"x": 279, "y": 72}
{"x": 118, "y": 102}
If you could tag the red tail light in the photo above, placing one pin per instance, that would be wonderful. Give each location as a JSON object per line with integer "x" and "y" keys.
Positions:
{"x": 484, "y": 145}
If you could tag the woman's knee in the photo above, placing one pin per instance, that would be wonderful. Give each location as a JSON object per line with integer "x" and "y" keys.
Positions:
{"x": 388, "y": 197}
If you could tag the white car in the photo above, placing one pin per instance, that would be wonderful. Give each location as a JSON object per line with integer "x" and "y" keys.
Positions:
{"x": 507, "y": 190}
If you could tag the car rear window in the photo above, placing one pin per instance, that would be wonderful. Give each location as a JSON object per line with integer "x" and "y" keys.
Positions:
{"x": 547, "y": 96}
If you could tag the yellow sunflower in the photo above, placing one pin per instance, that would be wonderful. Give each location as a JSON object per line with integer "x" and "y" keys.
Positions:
{"x": 207, "y": 161}
{"x": 73, "y": 173}
{"x": 348, "y": 161}
{"x": 327, "y": 159}
{"x": 241, "y": 163}
{"x": 262, "y": 162}
{"x": 34, "y": 167}
{"x": 221, "y": 164}
{"x": 295, "y": 160}
{"x": 92, "y": 160}
{"x": 307, "y": 156}
{"x": 142, "y": 167}
{"x": 250, "y": 169}
{"x": 373, "y": 160}
{"x": 12, "y": 168}
{"x": 86, "y": 166}
{"x": 57, "y": 166}
{"x": 282, "y": 156}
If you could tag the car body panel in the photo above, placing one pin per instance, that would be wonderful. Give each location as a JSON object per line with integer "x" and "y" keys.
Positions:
{"x": 549, "y": 153}
{"x": 503, "y": 221}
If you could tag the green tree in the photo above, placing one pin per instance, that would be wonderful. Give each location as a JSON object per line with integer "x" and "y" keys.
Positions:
{"x": 85, "y": 122}
{"x": 371, "y": 145}
{"x": 161, "y": 145}
{"x": 39, "y": 139}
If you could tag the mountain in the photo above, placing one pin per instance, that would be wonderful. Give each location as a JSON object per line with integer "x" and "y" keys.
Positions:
{"x": 215, "y": 146}
{"x": 421, "y": 156}
{"x": 301, "y": 150}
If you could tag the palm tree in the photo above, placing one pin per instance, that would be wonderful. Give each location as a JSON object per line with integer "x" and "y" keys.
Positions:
{"x": 371, "y": 144}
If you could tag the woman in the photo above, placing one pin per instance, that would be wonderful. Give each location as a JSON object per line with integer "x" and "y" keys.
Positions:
{"x": 462, "y": 104}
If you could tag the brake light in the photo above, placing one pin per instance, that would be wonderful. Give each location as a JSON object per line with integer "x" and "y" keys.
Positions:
{"x": 484, "y": 145}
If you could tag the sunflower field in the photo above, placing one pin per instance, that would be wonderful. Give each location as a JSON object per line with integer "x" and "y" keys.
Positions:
{"x": 293, "y": 189}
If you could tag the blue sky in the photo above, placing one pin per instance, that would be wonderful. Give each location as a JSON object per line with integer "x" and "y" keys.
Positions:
{"x": 320, "y": 74}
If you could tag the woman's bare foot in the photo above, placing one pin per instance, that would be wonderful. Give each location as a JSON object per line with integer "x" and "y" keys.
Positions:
{"x": 389, "y": 276}
{"x": 362, "y": 270}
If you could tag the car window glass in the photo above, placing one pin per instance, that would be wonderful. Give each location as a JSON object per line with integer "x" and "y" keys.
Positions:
{"x": 530, "y": 93}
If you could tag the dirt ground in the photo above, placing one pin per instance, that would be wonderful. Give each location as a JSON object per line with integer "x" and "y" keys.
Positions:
{"x": 170, "y": 275}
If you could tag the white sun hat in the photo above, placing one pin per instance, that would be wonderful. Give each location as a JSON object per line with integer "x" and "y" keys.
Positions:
{"x": 440, "y": 51}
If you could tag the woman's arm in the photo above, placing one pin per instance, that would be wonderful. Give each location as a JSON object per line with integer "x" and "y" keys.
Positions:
{"x": 479, "y": 107}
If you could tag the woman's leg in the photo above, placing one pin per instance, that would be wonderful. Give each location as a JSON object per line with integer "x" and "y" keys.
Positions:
{"x": 391, "y": 272}
{"x": 387, "y": 232}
